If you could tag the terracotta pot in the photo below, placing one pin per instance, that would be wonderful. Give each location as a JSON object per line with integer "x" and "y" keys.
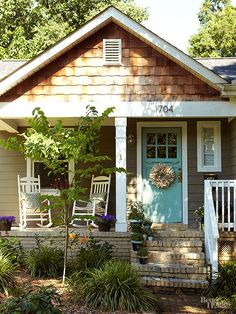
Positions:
{"x": 104, "y": 226}
{"x": 5, "y": 225}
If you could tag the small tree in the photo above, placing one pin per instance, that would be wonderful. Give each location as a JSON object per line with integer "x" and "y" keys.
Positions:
{"x": 55, "y": 145}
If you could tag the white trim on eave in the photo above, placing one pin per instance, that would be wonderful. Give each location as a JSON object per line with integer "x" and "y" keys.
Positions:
{"x": 111, "y": 14}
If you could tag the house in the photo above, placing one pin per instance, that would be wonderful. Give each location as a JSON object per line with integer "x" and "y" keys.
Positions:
{"x": 170, "y": 110}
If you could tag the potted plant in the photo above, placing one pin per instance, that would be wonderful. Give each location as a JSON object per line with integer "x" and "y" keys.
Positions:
{"x": 147, "y": 223}
{"x": 6, "y": 222}
{"x": 142, "y": 255}
{"x": 136, "y": 240}
{"x": 149, "y": 234}
{"x": 104, "y": 222}
{"x": 136, "y": 228}
{"x": 200, "y": 217}
{"x": 136, "y": 212}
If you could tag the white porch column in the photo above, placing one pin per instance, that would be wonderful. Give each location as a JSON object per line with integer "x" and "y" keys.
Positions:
{"x": 121, "y": 223}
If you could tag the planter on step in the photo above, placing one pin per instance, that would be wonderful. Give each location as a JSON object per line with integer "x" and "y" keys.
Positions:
{"x": 142, "y": 255}
{"x": 150, "y": 238}
{"x": 136, "y": 245}
{"x": 143, "y": 260}
{"x": 136, "y": 240}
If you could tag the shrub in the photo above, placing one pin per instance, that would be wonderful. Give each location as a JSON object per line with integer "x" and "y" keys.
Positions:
{"x": 93, "y": 254}
{"x": 45, "y": 261}
{"x": 224, "y": 284}
{"x": 13, "y": 248}
{"x": 137, "y": 237}
{"x": 117, "y": 286}
{"x": 38, "y": 302}
{"x": 7, "y": 273}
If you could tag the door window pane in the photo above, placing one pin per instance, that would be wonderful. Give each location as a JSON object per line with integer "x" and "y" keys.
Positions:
{"x": 151, "y": 139}
{"x": 151, "y": 152}
{"x": 172, "y": 138}
{"x": 172, "y": 152}
{"x": 161, "y": 152}
{"x": 161, "y": 139}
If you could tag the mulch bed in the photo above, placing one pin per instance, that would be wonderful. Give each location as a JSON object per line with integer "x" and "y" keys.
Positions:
{"x": 69, "y": 306}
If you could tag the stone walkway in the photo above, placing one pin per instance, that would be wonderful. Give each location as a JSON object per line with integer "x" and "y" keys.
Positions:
{"x": 183, "y": 303}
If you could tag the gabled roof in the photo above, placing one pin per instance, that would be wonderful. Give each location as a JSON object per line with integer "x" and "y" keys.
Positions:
{"x": 224, "y": 67}
{"x": 99, "y": 21}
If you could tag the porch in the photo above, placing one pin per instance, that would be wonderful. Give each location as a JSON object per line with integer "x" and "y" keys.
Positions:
{"x": 123, "y": 141}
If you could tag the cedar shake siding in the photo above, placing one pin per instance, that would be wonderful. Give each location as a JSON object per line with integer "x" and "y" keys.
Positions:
{"x": 80, "y": 76}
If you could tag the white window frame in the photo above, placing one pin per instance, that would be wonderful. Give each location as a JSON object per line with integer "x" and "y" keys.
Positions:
{"x": 50, "y": 191}
{"x": 216, "y": 126}
{"x": 104, "y": 52}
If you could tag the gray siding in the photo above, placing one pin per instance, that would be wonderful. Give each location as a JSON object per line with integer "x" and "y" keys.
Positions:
{"x": 195, "y": 179}
{"x": 233, "y": 147}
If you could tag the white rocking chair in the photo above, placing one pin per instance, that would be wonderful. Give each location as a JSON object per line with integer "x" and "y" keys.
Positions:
{"x": 98, "y": 200}
{"x": 29, "y": 203}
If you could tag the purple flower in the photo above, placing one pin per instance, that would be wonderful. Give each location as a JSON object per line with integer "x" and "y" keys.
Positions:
{"x": 9, "y": 219}
{"x": 107, "y": 218}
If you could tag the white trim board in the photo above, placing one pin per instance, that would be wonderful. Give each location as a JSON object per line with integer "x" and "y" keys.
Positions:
{"x": 186, "y": 109}
{"x": 169, "y": 124}
{"x": 111, "y": 14}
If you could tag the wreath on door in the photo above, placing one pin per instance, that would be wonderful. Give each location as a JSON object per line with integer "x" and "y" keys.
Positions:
{"x": 162, "y": 176}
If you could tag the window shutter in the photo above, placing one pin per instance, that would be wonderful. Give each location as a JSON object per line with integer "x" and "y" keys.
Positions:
{"x": 112, "y": 51}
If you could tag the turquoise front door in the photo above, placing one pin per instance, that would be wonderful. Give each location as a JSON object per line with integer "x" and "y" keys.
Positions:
{"x": 162, "y": 146}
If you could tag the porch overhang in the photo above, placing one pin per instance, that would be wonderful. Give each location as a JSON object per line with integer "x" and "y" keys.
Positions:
{"x": 145, "y": 109}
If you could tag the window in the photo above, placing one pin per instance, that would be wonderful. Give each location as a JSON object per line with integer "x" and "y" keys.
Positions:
{"x": 112, "y": 51}
{"x": 47, "y": 182}
{"x": 208, "y": 146}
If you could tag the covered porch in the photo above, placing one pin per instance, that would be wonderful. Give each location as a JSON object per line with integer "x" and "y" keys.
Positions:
{"x": 123, "y": 139}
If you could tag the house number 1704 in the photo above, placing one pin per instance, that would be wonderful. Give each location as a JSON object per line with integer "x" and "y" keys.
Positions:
{"x": 165, "y": 108}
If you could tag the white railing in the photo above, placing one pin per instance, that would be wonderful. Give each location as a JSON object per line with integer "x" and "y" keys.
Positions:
{"x": 210, "y": 228}
{"x": 219, "y": 213}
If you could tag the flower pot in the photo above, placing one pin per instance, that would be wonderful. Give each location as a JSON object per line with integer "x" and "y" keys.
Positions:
{"x": 104, "y": 226}
{"x": 143, "y": 259}
{"x": 135, "y": 222}
{"x": 150, "y": 238}
{"x": 136, "y": 245}
{"x": 5, "y": 225}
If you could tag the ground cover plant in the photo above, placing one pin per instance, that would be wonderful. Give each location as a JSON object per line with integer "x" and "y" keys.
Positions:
{"x": 45, "y": 300}
{"x": 13, "y": 248}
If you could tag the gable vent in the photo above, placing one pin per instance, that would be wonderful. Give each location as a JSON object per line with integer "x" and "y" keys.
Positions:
{"x": 112, "y": 51}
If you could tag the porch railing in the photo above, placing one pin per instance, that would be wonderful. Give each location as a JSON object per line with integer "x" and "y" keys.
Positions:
{"x": 219, "y": 213}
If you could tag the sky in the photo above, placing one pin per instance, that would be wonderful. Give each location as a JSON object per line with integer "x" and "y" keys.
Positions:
{"x": 173, "y": 20}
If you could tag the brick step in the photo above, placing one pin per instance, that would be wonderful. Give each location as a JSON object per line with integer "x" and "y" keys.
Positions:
{"x": 172, "y": 271}
{"x": 177, "y": 234}
{"x": 176, "y": 249}
{"x": 174, "y": 282}
{"x": 173, "y": 257}
{"x": 157, "y": 243}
